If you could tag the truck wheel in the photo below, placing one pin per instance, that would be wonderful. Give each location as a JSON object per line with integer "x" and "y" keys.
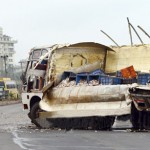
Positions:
{"x": 106, "y": 123}
{"x": 135, "y": 117}
{"x": 146, "y": 120}
{"x": 34, "y": 113}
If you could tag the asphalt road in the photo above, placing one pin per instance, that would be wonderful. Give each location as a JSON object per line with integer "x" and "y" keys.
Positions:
{"x": 17, "y": 133}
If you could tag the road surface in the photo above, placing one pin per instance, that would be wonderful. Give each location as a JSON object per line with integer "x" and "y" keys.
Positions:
{"x": 17, "y": 133}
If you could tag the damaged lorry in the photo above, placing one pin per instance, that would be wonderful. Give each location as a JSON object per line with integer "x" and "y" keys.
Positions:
{"x": 76, "y": 86}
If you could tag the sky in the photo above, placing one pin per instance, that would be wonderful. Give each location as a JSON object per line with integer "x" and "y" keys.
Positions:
{"x": 47, "y": 22}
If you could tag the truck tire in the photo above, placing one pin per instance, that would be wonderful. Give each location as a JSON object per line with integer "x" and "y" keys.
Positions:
{"x": 146, "y": 120}
{"x": 106, "y": 123}
{"x": 83, "y": 123}
{"x": 34, "y": 114}
{"x": 39, "y": 122}
{"x": 140, "y": 119}
{"x": 135, "y": 117}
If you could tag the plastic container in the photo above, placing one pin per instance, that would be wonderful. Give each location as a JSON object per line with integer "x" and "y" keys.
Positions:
{"x": 68, "y": 74}
{"x": 83, "y": 77}
{"x": 129, "y": 81}
{"x": 93, "y": 77}
{"x": 118, "y": 74}
{"x": 65, "y": 75}
{"x": 105, "y": 80}
{"x": 117, "y": 80}
{"x": 143, "y": 78}
{"x": 97, "y": 72}
{"x": 128, "y": 72}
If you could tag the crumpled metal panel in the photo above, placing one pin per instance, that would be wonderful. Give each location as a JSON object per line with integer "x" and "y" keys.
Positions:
{"x": 137, "y": 55}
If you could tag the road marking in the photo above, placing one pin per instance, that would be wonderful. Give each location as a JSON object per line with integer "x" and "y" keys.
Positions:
{"x": 19, "y": 141}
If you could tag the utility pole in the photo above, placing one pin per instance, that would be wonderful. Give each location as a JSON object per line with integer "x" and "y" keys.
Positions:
{"x": 4, "y": 57}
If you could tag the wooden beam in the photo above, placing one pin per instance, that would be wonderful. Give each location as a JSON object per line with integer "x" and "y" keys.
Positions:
{"x": 109, "y": 37}
{"x": 130, "y": 33}
{"x": 136, "y": 33}
{"x": 143, "y": 31}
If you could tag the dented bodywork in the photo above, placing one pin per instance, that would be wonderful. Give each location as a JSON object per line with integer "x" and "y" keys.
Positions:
{"x": 141, "y": 97}
{"x": 60, "y": 84}
{"x": 83, "y": 100}
{"x": 106, "y": 100}
{"x": 136, "y": 55}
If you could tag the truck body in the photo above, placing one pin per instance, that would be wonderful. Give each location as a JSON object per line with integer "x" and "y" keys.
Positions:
{"x": 31, "y": 78}
{"x": 68, "y": 87}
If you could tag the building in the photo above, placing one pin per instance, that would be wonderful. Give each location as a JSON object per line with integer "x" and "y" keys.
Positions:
{"x": 6, "y": 53}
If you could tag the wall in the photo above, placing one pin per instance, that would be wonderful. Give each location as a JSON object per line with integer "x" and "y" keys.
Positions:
{"x": 138, "y": 56}
{"x": 76, "y": 57}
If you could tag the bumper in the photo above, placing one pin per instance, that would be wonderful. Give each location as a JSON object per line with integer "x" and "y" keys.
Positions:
{"x": 84, "y": 109}
{"x": 141, "y": 101}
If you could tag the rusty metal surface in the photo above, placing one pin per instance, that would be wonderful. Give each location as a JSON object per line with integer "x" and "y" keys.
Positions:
{"x": 84, "y": 94}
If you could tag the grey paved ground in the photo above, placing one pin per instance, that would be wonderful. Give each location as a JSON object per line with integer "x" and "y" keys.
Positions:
{"x": 17, "y": 133}
{"x": 82, "y": 140}
{"x": 6, "y": 142}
